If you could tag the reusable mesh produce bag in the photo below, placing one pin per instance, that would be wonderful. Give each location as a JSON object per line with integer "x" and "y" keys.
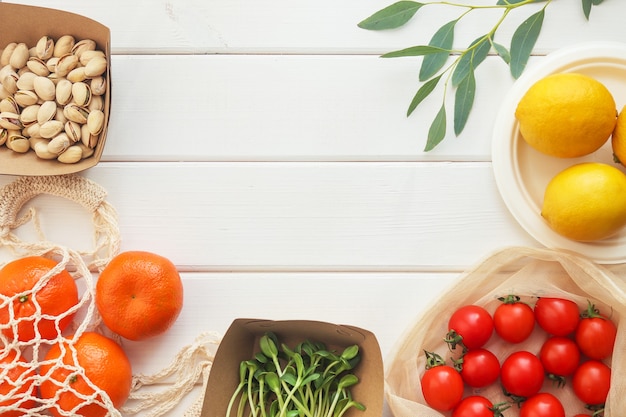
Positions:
{"x": 528, "y": 273}
{"x": 152, "y": 395}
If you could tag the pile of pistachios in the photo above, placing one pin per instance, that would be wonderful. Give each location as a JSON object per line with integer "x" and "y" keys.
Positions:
{"x": 52, "y": 97}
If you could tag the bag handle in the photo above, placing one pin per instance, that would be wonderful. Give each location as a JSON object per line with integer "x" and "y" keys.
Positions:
{"x": 73, "y": 187}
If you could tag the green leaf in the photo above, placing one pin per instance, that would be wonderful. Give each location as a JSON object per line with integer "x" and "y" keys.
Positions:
{"x": 419, "y": 50}
{"x": 437, "y": 130}
{"x": 502, "y": 52}
{"x": 392, "y": 16}
{"x": 443, "y": 38}
{"x": 423, "y": 92}
{"x": 463, "y": 102}
{"x": 523, "y": 42}
{"x": 587, "y": 6}
{"x": 472, "y": 59}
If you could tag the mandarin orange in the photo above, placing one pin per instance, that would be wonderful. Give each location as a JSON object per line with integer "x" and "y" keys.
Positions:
{"x": 105, "y": 365}
{"x": 17, "y": 388}
{"x": 139, "y": 294}
{"x": 21, "y": 296}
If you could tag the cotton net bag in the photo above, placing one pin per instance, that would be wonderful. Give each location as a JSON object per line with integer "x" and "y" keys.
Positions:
{"x": 528, "y": 273}
{"x": 151, "y": 395}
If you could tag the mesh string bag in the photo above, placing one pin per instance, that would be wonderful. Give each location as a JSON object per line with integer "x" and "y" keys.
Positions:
{"x": 151, "y": 395}
{"x": 528, "y": 273}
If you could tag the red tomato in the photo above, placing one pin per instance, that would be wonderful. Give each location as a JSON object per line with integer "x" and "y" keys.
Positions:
{"x": 542, "y": 405}
{"x": 442, "y": 385}
{"x": 474, "y": 406}
{"x": 470, "y": 326}
{"x": 560, "y": 356}
{"x": 557, "y": 316}
{"x": 522, "y": 374}
{"x": 595, "y": 334}
{"x": 479, "y": 368}
{"x": 513, "y": 320}
{"x": 591, "y": 382}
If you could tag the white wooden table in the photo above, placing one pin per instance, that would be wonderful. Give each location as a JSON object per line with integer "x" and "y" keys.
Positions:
{"x": 263, "y": 147}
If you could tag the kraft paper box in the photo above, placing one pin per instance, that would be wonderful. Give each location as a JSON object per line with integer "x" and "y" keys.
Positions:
{"x": 28, "y": 24}
{"x": 241, "y": 342}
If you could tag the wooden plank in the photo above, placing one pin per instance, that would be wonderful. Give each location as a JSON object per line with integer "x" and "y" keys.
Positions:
{"x": 384, "y": 303}
{"x": 298, "y": 216}
{"x": 325, "y": 26}
{"x": 322, "y": 107}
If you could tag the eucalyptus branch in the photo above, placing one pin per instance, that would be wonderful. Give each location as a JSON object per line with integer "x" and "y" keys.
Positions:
{"x": 460, "y": 72}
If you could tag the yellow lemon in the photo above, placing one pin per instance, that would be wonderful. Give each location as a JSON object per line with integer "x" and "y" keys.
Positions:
{"x": 566, "y": 115}
{"x": 586, "y": 202}
{"x": 618, "y": 141}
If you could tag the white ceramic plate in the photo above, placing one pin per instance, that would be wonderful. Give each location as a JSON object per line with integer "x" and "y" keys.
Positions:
{"x": 522, "y": 173}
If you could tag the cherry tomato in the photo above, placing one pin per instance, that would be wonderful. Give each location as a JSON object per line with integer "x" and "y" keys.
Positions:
{"x": 560, "y": 356}
{"x": 591, "y": 382}
{"x": 479, "y": 368}
{"x": 474, "y": 406}
{"x": 522, "y": 374}
{"x": 543, "y": 404}
{"x": 513, "y": 320}
{"x": 557, "y": 316}
{"x": 442, "y": 385}
{"x": 595, "y": 334}
{"x": 471, "y": 326}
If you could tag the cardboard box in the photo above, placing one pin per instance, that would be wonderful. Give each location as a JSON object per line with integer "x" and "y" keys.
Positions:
{"x": 28, "y": 24}
{"x": 241, "y": 342}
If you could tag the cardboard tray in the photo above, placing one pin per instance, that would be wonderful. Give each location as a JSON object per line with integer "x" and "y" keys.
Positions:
{"x": 28, "y": 24}
{"x": 241, "y": 343}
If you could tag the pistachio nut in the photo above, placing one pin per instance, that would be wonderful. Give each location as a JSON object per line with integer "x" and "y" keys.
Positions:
{"x": 26, "y": 81}
{"x": 9, "y": 104}
{"x": 96, "y": 67}
{"x": 65, "y": 64}
{"x": 51, "y": 128}
{"x": 98, "y": 86}
{"x": 71, "y": 155}
{"x": 60, "y": 116}
{"x": 87, "y": 138}
{"x": 20, "y": 56}
{"x": 72, "y": 130}
{"x": 44, "y": 47}
{"x": 97, "y": 103}
{"x": 87, "y": 151}
{"x": 41, "y": 149}
{"x": 28, "y": 116}
{"x": 95, "y": 122}
{"x": 38, "y": 66}
{"x": 4, "y": 134}
{"x": 5, "y": 57}
{"x": 9, "y": 81}
{"x": 44, "y": 88}
{"x": 81, "y": 93}
{"x": 63, "y": 92}
{"x": 51, "y": 63}
{"x": 87, "y": 56}
{"x": 10, "y": 120}
{"x": 3, "y": 92}
{"x": 25, "y": 97}
{"x": 17, "y": 143}
{"x": 76, "y": 113}
{"x": 59, "y": 143}
{"x": 82, "y": 46}
{"x": 47, "y": 111}
{"x": 32, "y": 131}
{"x": 77, "y": 75}
{"x": 64, "y": 45}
